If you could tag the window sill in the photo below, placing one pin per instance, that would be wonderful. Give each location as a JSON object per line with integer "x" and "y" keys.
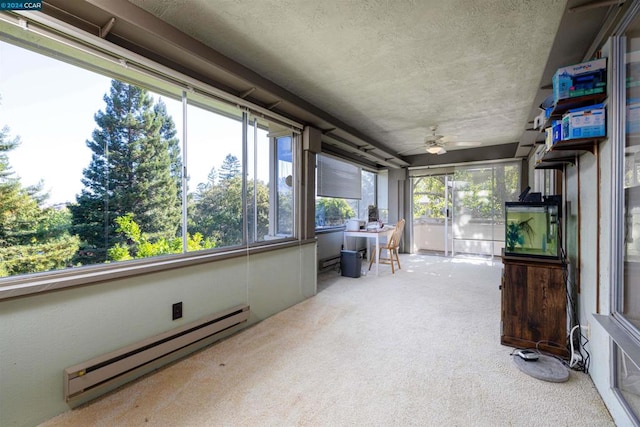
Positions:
{"x": 20, "y": 286}
{"x": 620, "y": 336}
{"x": 331, "y": 229}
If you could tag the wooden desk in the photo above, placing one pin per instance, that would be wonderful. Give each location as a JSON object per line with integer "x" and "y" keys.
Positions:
{"x": 370, "y": 235}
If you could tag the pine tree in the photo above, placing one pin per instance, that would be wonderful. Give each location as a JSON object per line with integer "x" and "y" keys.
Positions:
{"x": 135, "y": 169}
{"x": 11, "y": 198}
{"x": 230, "y": 167}
{"x": 32, "y": 238}
{"x": 216, "y": 212}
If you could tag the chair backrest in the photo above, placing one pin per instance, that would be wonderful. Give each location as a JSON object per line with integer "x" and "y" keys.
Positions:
{"x": 394, "y": 241}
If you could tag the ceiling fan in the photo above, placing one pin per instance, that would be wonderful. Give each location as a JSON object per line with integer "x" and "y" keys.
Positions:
{"x": 433, "y": 144}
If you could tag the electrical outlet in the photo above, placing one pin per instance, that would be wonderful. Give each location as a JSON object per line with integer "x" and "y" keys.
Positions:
{"x": 176, "y": 310}
{"x": 587, "y": 332}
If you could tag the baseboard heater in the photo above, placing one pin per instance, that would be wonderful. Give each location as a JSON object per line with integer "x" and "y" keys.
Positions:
{"x": 331, "y": 262}
{"x": 82, "y": 378}
{"x": 328, "y": 262}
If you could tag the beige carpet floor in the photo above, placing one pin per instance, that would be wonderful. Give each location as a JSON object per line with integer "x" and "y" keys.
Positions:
{"x": 418, "y": 348}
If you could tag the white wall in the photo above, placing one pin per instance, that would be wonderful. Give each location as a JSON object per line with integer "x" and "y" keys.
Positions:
{"x": 330, "y": 244}
{"x": 45, "y": 333}
{"x": 398, "y": 195}
{"x": 581, "y": 191}
{"x": 595, "y": 284}
{"x": 428, "y": 234}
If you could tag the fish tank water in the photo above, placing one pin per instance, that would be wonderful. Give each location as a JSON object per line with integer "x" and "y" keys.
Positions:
{"x": 531, "y": 229}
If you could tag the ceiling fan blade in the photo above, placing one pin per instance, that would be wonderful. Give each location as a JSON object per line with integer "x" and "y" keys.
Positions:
{"x": 433, "y": 144}
{"x": 458, "y": 143}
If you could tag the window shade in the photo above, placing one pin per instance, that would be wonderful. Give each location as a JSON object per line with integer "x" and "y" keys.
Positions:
{"x": 337, "y": 178}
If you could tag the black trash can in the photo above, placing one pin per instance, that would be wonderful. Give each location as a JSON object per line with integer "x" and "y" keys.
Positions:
{"x": 350, "y": 263}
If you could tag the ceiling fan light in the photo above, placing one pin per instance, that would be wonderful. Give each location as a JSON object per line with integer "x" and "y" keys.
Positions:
{"x": 434, "y": 149}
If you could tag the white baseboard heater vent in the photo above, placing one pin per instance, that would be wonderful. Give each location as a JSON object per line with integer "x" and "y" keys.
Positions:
{"x": 327, "y": 263}
{"x": 84, "y": 377}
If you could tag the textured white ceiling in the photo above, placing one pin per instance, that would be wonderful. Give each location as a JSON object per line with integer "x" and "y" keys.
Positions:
{"x": 390, "y": 68}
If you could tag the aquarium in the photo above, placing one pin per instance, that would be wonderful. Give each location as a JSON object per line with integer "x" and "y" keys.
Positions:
{"x": 532, "y": 229}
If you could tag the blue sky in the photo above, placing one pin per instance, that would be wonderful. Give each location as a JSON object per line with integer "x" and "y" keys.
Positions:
{"x": 32, "y": 109}
{"x": 50, "y": 105}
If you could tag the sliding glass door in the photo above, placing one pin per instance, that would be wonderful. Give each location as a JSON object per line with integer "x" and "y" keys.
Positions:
{"x": 479, "y": 194}
{"x": 460, "y": 211}
{"x": 432, "y": 221}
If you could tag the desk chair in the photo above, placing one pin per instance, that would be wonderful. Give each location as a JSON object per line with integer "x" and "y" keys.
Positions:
{"x": 391, "y": 246}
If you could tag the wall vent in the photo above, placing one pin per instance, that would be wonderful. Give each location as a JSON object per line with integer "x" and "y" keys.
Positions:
{"x": 84, "y": 377}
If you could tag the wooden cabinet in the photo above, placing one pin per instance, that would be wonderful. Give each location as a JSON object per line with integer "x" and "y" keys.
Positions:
{"x": 534, "y": 304}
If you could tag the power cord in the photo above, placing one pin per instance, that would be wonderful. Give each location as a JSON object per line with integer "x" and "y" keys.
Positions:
{"x": 579, "y": 361}
{"x": 575, "y": 357}
{"x": 580, "y": 357}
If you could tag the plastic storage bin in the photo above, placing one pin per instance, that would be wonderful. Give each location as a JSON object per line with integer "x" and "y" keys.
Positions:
{"x": 585, "y": 122}
{"x": 350, "y": 263}
{"x": 583, "y": 79}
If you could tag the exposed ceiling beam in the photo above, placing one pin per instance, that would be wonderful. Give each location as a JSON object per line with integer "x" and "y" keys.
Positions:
{"x": 139, "y": 28}
{"x": 104, "y": 30}
{"x": 594, "y": 5}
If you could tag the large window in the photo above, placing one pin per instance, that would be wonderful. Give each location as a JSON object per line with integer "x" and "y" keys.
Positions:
{"x": 270, "y": 201}
{"x": 214, "y": 172}
{"x": 462, "y": 208}
{"x": 630, "y": 306}
{"x": 478, "y": 206}
{"x": 361, "y": 206}
{"x": 344, "y": 191}
{"x": 283, "y": 189}
{"x": 97, "y": 169}
{"x": 627, "y": 303}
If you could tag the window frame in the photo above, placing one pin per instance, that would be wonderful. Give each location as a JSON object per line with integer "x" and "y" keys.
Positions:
{"x": 623, "y": 335}
{"x": 617, "y": 183}
{"x": 274, "y": 199}
{"x": 64, "y": 43}
{"x": 376, "y": 189}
